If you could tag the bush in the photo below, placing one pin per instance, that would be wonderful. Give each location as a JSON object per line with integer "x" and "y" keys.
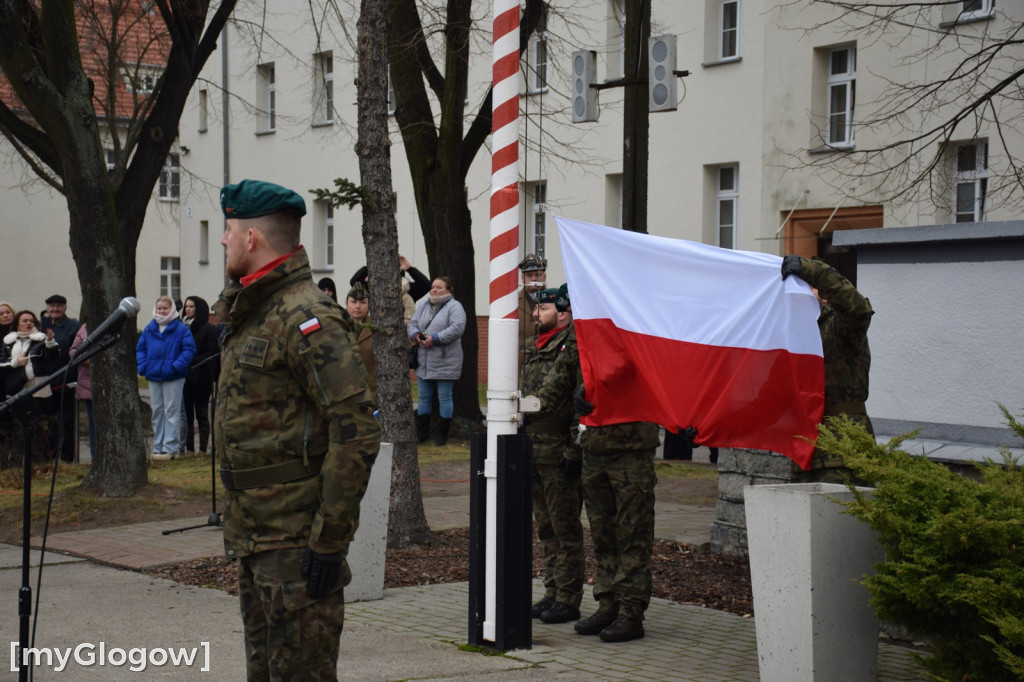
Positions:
{"x": 954, "y": 568}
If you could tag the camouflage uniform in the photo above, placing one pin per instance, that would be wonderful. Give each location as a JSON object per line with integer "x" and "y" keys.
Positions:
{"x": 292, "y": 401}
{"x": 618, "y": 487}
{"x": 843, "y": 323}
{"x": 557, "y": 503}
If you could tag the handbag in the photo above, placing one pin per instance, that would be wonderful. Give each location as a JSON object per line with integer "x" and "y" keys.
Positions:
{"x": 413, "y": 356}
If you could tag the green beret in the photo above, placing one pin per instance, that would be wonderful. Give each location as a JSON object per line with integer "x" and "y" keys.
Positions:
{"x": 255, "y": 198}
{"x": 556, "y": 296}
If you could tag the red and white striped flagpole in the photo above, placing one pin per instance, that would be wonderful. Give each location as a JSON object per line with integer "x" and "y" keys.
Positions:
{"x": 503, "y": 322}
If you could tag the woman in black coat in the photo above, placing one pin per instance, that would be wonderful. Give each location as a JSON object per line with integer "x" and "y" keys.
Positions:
{"x": 29, "y": 355}
{"x": 201, "y": 373}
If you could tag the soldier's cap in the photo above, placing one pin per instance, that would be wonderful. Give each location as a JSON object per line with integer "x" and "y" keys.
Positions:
{"x": 357, "y": 292}
{"x": 557, "y": 296}
{"x": 533, "y": 262}
{"x": 255, "y": 198}
{"x": 57, "y": 298}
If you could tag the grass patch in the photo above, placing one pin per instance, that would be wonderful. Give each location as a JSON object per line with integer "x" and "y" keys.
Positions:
{"x": 69, "y": 477}
{"x": 185, "y": 473}
{"x": 684, "y": 469}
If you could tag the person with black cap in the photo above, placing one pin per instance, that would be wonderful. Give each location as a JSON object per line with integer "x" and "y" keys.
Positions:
{"x": 296, "y": 437}
{"x": 534, "y": 269}
{"x": 357, "y": 304}
{"x": 61, "y": 402}
{"x": 557, "y": 465}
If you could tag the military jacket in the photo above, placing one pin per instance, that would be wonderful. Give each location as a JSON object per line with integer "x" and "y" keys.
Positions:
{"x": 292, "y": 387}
{"x": 552, "y": 429}
{"x": 843, "y": 323}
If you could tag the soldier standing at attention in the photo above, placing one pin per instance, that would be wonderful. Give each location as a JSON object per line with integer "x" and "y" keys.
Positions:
{"x": 296, "y": 437}
{"x": 618, "y": 488}
{"x": 843, "y": 323}
{"x": 557, "y": 500}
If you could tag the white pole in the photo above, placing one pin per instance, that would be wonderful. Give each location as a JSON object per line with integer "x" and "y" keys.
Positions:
{"x": 503, "y": 320}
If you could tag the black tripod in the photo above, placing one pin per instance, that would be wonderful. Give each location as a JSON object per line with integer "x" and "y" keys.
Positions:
{"x": 214, "y": 519}
{"x": 28, "y": 415}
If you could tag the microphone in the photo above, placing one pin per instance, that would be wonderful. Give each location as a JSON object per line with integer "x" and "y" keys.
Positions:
{"x": 129, "y": 307}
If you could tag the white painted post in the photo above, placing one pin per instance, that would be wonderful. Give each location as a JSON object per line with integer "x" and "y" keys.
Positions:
{"x": 367, "y": 553}
{"x": 811, "y": 613}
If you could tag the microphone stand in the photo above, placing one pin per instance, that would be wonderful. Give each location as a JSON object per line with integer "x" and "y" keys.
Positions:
{"x": 214, "y": 519}
{"x": 28, "y": 418}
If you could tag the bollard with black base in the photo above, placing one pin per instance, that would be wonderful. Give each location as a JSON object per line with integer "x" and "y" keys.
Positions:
{"x": 514, "y": 543}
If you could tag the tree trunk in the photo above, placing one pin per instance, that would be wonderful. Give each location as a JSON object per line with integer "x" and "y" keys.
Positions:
{"x": 407, "y": 522}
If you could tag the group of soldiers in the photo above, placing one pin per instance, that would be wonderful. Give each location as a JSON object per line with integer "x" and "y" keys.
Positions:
{"x": 610, "y": 468}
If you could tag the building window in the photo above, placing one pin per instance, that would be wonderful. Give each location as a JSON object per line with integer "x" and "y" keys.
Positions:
{"x": 329, "y": 235}
{"x": 842, "y": 80}
{"x": 975, "y": 9}
{"x": 729, "y": 29}
{"x": 204, "y": 242}
{"x": 323, "y": 88}
{"x": 537, "y": 67}
{"x": 204, "y": 109}
{"x": 538, "y": 192}
{"x": 392, "y": 102}
{"x": 142, "y": 81}
{"x": 970, "y": 181}
{"x": 170, "y": 277}
{"x": 170, "y": 179}
{"x": 727, "y": 199}
{"x": 266, "y": 96}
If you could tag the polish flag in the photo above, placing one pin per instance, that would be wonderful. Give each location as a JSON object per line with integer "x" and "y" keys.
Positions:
{"x": 685, "y": 334}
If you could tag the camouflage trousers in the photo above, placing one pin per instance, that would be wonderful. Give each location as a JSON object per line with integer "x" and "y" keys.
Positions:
{"x": 619, "y": 492}
{"x": 288, "y": 636}
{"x": 557, "y": 505}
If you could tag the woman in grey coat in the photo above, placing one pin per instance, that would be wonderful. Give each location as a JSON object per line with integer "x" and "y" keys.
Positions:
{"x": 437, "y": 327}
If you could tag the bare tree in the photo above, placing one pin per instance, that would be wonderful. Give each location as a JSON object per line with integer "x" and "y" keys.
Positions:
{"x": 59, "y": 110}
{"x": 966, "y": 84}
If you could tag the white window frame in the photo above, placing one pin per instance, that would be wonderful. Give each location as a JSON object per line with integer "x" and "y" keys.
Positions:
{"x": 984, "y": 10}
{"x": 324, "y": 87}
{"x": 975, "y": 178}
{"x": 723, "y": 196}
{"x": 539, "y": 210}
{"x": 143, "y": 81}
{"x": 723, "y": 31}
{"x": 169, "y": 186}
{"x": 170, "y": 277}
{"x": 537, "y": 78}
{"x": 329, "y": 235}
{"x": 846, "y": 83}
{"x": 267, "y": 97}
{"x": 618, "y": 10}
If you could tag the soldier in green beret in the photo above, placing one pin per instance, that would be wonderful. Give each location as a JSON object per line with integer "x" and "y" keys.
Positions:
{"x": 296, "y": 437}
{"x": 557, "y": 498}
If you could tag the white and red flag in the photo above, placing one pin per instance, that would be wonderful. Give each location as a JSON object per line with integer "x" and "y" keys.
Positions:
{"x": 685, "y": 334}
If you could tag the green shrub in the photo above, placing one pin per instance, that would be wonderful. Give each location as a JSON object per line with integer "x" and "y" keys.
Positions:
{"x": 954, "y": 568}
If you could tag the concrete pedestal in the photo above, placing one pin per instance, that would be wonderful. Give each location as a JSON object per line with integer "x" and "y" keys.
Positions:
{"x": 812, "y": 616}
{"x": 368, "y": 550}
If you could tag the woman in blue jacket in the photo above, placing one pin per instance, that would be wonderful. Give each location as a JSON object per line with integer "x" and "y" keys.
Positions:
{"x": 163, "y": 354}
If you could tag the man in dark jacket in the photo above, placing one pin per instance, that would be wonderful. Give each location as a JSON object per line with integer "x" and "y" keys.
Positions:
{"x": 296, "y": 437}
{"x": 63, "y": 388}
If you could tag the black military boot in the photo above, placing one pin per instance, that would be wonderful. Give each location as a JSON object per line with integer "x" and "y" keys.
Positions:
{"x": 422, "y": 428}
{"x": 623, "y": 629}
{"x": 443, "y": 425}
{"x": 595, "y": 623}
{"x": 541, "y": 606}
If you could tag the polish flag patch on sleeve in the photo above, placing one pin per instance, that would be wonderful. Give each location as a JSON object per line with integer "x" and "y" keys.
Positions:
{"x": 309, "y": 326}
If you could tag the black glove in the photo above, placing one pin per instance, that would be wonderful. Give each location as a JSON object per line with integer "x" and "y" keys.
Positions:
{"x": 572, "y": 468}
{"x": 791, "y": 265}
{"x": 688, "y": 434}
{"x": 580, "y": 403}
{"x": 322, "y": 571}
